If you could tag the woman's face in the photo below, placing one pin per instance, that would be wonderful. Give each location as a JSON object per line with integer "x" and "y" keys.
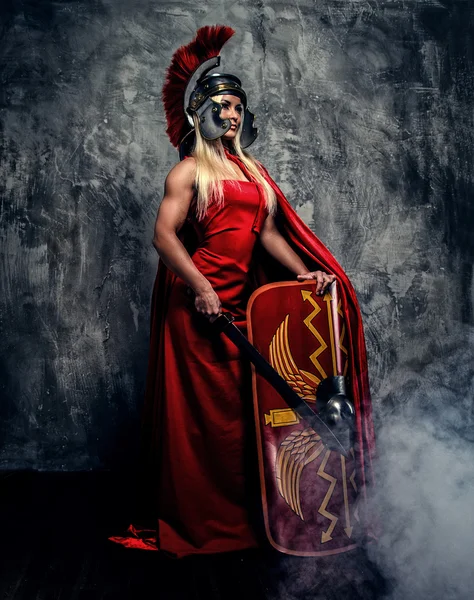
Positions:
{"x": 232, "y": 109}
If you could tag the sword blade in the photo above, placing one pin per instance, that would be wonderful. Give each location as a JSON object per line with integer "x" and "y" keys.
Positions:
{"x": 264, "y": 368}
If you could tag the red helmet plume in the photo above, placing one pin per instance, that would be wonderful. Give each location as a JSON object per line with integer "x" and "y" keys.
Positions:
{"x": 207, "y": 44}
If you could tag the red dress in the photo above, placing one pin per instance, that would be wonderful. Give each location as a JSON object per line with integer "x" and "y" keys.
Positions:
{"x": 207, "y": 384}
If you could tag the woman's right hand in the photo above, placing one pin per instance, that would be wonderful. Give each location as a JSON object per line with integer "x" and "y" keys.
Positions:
{"x": 207, "y": 303}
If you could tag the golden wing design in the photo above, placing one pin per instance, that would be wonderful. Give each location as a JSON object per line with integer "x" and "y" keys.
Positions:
{"x": 296, "y": 451}
{"x": 281, "y": 359}
{"x": 300, "y": 447}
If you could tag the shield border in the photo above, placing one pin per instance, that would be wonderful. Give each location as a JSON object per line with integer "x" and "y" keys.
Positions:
{"x": 258, "y": 433}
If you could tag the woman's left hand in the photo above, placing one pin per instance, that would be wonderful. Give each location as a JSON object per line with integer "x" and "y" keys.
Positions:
{"x": 323, "y": 279}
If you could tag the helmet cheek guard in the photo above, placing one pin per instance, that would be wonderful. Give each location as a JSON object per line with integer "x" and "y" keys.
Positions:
{"x": 249, "y": 131}
{"x": 211, "y": 126}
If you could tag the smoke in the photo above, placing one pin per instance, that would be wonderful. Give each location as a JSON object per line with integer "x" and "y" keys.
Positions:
{"x": 424, "y": 498}
{"x": 423, "y": 501}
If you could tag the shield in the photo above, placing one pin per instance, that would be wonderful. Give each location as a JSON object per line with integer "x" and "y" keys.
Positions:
{"x": 308, "y": 491}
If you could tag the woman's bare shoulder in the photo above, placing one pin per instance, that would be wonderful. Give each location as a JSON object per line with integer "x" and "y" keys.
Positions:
{"x": 184, "y": 172}
{"x": 179, "y": 183}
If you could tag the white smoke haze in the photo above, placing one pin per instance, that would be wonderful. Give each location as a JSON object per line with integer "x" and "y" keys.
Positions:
{"x": 424, "y": 496}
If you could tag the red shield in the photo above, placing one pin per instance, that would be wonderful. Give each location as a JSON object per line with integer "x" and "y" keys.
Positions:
{"x": 308, "y": 491}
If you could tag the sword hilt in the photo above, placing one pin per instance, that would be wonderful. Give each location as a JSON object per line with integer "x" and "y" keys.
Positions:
{"x": 223, "y": 321}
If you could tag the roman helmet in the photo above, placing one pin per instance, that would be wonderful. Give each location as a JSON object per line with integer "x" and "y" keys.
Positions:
{"x": 190, "y": 87}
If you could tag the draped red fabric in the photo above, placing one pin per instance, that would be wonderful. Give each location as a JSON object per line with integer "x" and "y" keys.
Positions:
{"x": 316, "y": 256}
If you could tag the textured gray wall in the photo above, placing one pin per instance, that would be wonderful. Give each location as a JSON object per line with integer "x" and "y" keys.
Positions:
{"x": 366, "y": 121}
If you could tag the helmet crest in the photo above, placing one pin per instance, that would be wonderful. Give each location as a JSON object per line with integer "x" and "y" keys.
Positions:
{"x": 186, "y": 60}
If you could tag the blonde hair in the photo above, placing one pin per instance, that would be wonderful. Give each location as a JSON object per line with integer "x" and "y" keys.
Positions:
{"x": 212, "y": 168}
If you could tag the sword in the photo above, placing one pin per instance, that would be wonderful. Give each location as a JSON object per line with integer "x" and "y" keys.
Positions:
{"x": 224, "y": 323}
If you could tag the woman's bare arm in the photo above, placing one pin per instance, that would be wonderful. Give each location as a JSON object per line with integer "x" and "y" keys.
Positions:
{"x": 276, "y": 245}
{"x": 170, "y": 218}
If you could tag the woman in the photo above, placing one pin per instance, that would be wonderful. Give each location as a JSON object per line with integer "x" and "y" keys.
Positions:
{"x": 217, "y": 237}
{"x": 177, "y": 206}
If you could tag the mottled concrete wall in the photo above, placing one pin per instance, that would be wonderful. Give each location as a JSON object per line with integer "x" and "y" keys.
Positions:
{"x": 365, "y": 113}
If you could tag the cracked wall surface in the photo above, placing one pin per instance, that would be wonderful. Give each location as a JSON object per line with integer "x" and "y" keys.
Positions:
{"x": 366, "y": 122}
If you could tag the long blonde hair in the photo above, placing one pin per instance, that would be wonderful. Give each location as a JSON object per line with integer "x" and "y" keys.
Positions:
{"x": 213, "y": 167}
